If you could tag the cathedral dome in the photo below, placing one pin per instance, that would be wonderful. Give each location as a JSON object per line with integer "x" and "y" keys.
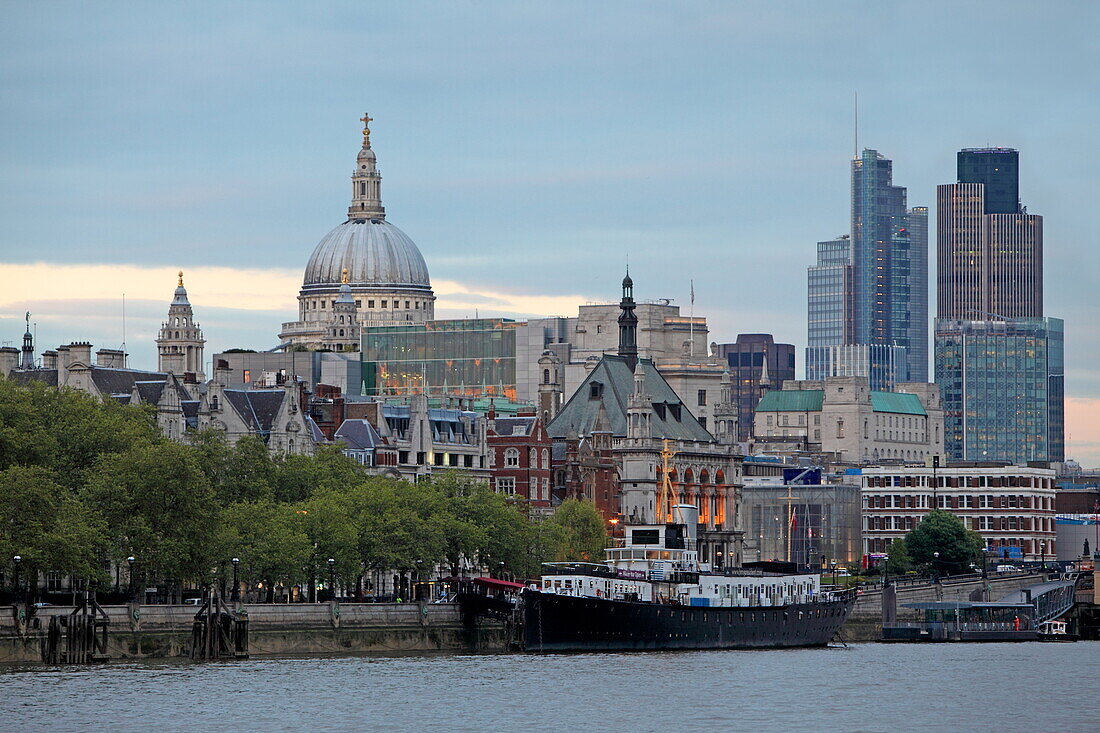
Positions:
{"x": 375, "y": 253}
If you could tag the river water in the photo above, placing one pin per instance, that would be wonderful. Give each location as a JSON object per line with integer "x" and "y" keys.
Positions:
{"x": 866, "y": 687}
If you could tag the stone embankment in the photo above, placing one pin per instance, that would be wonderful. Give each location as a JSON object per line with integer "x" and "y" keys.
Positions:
{"x": 865, "y": 623}
{"x": 163, "y": 631}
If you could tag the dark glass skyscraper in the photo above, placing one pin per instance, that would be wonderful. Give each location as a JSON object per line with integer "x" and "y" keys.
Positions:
{"x": 749, "y": 379}
{"x": 871, "y": 289}
{"x": 999, "y": 362}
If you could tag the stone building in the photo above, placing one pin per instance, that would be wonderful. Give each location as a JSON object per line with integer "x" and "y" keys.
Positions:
{"x": 842, "y": 419}
{"x": 180, "y": 342}
{"x": 386, "y": 277}
{"x": 663, "y": 455}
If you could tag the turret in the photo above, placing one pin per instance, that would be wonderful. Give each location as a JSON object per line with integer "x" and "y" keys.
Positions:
{"x": 366, "y": 181}
{"x": 639, "y": 408}
{"x": 628, "y": 324}
{"x": 27, "y": 360}
{"x": 180, "y": 342}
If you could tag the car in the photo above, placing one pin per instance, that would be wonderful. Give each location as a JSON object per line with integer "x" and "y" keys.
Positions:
{"x": 1007, "y": 568}
{"x": 193, "y": 602}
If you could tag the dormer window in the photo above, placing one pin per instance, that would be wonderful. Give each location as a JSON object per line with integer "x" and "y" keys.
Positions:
{"x": 595, "y": 390}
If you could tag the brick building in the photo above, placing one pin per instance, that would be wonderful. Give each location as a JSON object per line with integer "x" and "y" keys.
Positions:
{"x": 1012, "y": 507}
{"x": 519, "y": 455}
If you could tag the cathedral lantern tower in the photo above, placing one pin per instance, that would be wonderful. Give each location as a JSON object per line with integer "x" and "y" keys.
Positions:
{"x": 380, "y": 265}
{"x": 180, "y": 343}
{"x": 628, "y": 324}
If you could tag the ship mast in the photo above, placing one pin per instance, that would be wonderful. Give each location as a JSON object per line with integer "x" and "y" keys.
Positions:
{"x": 663, "y": 512}
{"x": 789, "y": 498}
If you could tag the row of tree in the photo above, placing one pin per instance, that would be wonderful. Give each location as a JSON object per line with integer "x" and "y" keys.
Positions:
{"x": 84, "y": 485}
{"x": 940, "y": 544}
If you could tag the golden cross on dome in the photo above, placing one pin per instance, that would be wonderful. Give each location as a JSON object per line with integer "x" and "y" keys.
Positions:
{"x": 181, "y": 278}
{"x": 366, "y": 119}
{"x": 344, "y": 276}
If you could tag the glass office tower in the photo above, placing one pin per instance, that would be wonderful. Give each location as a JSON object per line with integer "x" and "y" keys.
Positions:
{"x": 1002, "y": 389}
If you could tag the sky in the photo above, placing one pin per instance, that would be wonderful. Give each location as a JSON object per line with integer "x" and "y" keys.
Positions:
{"x": 530, "y": 149}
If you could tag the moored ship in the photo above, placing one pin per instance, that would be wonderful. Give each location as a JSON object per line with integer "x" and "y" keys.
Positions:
{"x": 652, "y": 593}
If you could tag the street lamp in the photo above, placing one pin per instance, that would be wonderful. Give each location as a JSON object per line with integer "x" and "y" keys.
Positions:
{"x": 885, "y": 569}
{"x": 18, "y": 561}
{"x": 834, "y": 572}
{"x": 1042, "y": 554}
{"x": 130, "y": 577}
{"x": 936, "y": 567}
{"x": 236, "y": 596}
{"x": 331, "y": 579}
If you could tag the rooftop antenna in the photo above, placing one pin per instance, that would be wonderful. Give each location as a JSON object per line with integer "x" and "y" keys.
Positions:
{"x": 691, "y": 321}
{"x": 124, "y": 364}
{"x": 855, "y": 125}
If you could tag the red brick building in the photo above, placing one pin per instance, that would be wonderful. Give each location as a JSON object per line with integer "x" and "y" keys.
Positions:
{"x": 519, "y": 454}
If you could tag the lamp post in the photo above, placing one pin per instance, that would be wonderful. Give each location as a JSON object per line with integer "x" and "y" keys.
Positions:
{"x": 332, "y": 579}
{"x": 885, "y": 569}
{"x": 236, "y": 595}
{"x": 130, "y": 577}
{"x": 17, "y": 560}
{"x": 935, "y": 567}
{"x": 500, "y": 571}
{"x": 1042, "y": 554}
{"x": 834, "y": 572}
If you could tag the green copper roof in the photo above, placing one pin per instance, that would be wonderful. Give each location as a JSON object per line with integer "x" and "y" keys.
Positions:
{"x": 899, "y": 402}
{"x": 791, "y": 400}
{"x": 810, "y": 400}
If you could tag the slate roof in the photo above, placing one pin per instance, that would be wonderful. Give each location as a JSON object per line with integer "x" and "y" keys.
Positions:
{"x": 149, "y": 392}
{"x": 671, "y": 417}
{"x": 257, "y": 407}
{"x": 190, "y": 412}
{"x": 315, "y": 431}
{"x": 110, "y": 381}
{"x": 811, "y": 400}
{"x": 358, "y": 435}
{"x": 49, "y": 376}
{"x": 506, "y": 426}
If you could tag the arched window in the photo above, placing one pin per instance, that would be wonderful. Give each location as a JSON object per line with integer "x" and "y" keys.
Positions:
{"x": 546, "y": 376}
{"x": 511, "y": 458}
{"x": 534, "y": 458}
{"x": 545, "y": 458}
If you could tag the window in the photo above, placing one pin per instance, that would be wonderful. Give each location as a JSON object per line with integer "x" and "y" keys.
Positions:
{"x": 370, "y": 303}
{"x": 406, "y": 304}
{"x": 545, "y": 459}
{"x": 769, "y": 419}
{"x": 358, "y": 304}
{"x": 702, "y": 397}
{"x": 534, "y": 459}
{"x": 506, "y": 485}
{"x": 511, "y": 458}
{"x": 384, "y": 303}
{"x": 595, "y": 390}
{"x": 840, "y": 427}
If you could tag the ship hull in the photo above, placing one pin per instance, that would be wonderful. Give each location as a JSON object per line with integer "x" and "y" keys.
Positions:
{"x": 562, "y": 623}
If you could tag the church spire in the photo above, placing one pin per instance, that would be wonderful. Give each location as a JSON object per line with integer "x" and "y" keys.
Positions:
{"x": 628, "y": 324}
{"x": 27, "y": 361}
{"x": 366, "y": 182}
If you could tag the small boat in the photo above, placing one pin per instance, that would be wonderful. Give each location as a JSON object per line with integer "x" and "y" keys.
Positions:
{"x": 1055, "y": 631}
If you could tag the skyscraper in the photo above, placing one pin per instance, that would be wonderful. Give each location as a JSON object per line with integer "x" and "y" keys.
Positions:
{"x": 999, "y": 362}
{"x": 756, "y": 365}
{"x": 870, "y": 289}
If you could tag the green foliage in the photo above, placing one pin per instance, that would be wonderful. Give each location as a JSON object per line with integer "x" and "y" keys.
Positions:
{"x": 943, "y": 532}
{"x": 900, "y": 562}
{"x": 576, "y": 532}
{"x": 47, "y": 525}
{"x": 270, "y": 541}
{"x": 159, "y": 507}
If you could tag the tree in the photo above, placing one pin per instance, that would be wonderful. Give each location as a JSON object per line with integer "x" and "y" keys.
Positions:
{"x": 898, "y": 554}
{"x": 577, "y": 532}
{"x": 943, "y": 532}
{"x": 249, "y": 472}
{"x": 159, "y": 507}
{"x": 297, "y": 478}
{"x": 271, "y": 542}
{"x": 47, "y": 525}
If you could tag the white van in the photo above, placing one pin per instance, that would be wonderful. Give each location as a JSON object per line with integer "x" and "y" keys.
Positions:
{"x": 1007, "y": 568}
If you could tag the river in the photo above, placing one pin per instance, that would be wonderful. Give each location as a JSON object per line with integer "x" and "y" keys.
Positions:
{"x": 865, "y": 687}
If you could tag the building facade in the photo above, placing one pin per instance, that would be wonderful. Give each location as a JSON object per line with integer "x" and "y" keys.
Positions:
{"x": 870, "y": 289}
{"x": 1011, "y": 507}
{"x": 520, "y": 457}
{"x": 382, "y": 267}
{"x": 999, "y": 361}
{"x": 756, "y": 364}
{"x": 1003, "y": 389}
{"x": 843, "y": 420}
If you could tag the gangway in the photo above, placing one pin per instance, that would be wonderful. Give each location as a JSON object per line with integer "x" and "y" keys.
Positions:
{"x": 1051, "y": 599}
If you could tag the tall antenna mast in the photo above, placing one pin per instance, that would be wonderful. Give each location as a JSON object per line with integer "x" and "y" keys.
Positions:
{"x": 691, "y": 322}
{"x": 855, "y": 125}
{"x": 124, "y": 364}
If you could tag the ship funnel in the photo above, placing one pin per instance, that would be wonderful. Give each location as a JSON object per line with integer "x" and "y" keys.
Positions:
{"x": 688, "y": 516}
